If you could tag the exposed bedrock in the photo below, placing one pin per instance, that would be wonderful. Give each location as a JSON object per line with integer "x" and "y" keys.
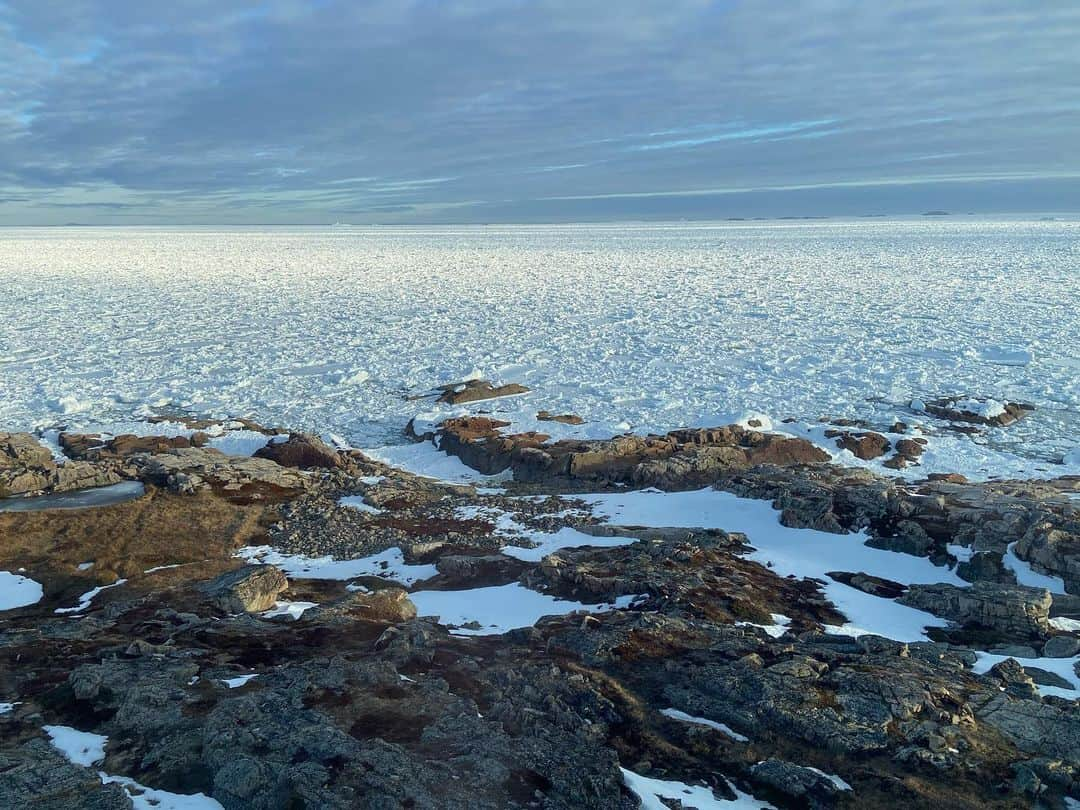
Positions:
{"x": 1014, "y": 611}
{"x": 26, "y": 467}
{"x": 681, "y": 458}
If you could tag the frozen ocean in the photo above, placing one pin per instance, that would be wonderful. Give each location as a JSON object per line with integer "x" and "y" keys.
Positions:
{"x": 635, "y": 327}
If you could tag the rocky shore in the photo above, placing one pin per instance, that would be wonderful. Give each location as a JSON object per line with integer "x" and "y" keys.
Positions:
{"x": 625, "y": 623}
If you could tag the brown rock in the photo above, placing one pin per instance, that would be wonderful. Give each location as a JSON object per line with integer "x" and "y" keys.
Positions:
{"x": 866, "y": 446}
{"x": 304, "y": 451}
{"x": 565, "y": 418}
{"x": 475, "y": 390}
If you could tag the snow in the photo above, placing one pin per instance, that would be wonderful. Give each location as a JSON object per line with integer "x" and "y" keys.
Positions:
{"x": 779, "y": 626}
{"x": 239, "y": 680}
{"x": 788, "y": 551}
{"x": 389, "y": 564}
{"x": 615, "y": 322}
{"x": 1065, "y": 667}
{"x": 144, "y": 798}
{"x": 7, "y": 708}
{"x": 87, "y": 749}
{"x": 836, "y": 780}
{"x": 357, "y": 502}
{"x": 499, "y": 608}
{"x": 423, "y": 458}
{"x": 1066, "y": 624}
{"x": 293, "y": 610}
{"x": 80, "y": 747}
{"x": 88, "y": 597}
{"x": 650, "y": 791}
{"x": 986, "y": 409}
{"x": 1026, "y": 575}
{"x": 545, "y": 542}
{"x": 17, "y": 591}
{"x": 675, "y": 714}
{"x": 1005, "y": 355}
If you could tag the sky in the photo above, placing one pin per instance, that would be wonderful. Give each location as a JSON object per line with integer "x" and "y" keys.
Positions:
{"x": 317, "y": 111}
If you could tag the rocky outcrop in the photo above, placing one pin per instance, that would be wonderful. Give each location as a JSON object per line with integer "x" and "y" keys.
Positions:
{"x": 26, "y": 467}
{"x": 304, "y": 451}
{"x": 186, "y": 470}
{"x": 978, "y": 411}
{"x": 93, "y": 447}
{"x": 679, "y": 459}
{"x": 1015, "y": 611}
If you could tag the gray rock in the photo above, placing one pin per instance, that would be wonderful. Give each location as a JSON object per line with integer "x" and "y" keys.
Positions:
{"x": 797, "y": 782}
{"x": 35, "y": 775}
{"x": 1013, "y": 610}
{"x": 250, "y": 589}
{"x": 1061, "y": 647}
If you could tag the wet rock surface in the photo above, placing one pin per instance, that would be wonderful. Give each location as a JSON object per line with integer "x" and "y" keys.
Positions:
{"x": 358, "y": 701}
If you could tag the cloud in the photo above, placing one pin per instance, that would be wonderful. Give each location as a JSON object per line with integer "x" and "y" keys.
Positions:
{"x": 284, "y": 110}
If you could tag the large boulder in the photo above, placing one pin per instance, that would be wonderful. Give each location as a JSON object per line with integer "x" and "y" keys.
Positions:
{"x": 866, "y": 446}
{"x": 251, "y": 589}
{"x": 1013, "y": 610}
{"x": 304, "y": 451}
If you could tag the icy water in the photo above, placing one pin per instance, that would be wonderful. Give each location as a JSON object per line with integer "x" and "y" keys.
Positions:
{"x": 634, "y": 327}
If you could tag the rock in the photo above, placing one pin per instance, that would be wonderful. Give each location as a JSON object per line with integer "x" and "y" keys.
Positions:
{"x": 186, "y": 470}
{"x": 20, "y": 450}
{"x": 476, "y": 390}
{"x": 680, "y": 458}
{"x": 1039, "y": 727}
{"x": 91, "y": 446}
{"x": 867, "y": 583}
{"x": 796, "y": 782}
{"x": 951, "y": 478}
{"x": 1046, "y": 678}
{"x": 978, "y": 411}
{"x": 865, "y": 446}
{"x": 565, "y": 418}
{"x": 1061, "y": 647}
{"x": 1051, "y": 546}
{"x": 302, "y": 450}
{"x": 250, "y": 589}
{"x": 36, "y": 775}
{"x": 26, "y": 466}
{"x": 388, "y": 605}
{"x": 1013, "y": 610}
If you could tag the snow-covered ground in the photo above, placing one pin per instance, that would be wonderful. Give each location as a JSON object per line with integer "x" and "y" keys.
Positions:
{"x": 634, "y": 327}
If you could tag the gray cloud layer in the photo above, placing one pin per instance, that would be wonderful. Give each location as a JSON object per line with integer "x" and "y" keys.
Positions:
{"x": 290, "y": 111}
